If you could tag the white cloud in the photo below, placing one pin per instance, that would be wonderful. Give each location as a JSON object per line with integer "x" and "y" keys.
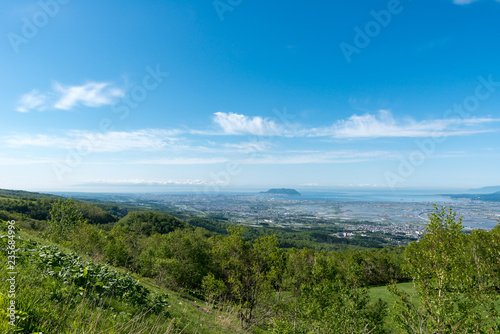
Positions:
{"x": 327, "y": 157}
{"x": 335, "y": 157}
{"x": 237, "y": 124}
{"x": 181, "y": 161}
{"x": 32, "y": 100}
{"x": 248, "y": 147}
{"x": 384, "y": 125}
{"x": 368, "y": 125}
{"x": 6, "y": 161}
{"x": 92, "y": 94}
{"x": 38, "y": 141}
{"x": 466, "y": 2}
{"x": 463, "y": 2}
{"x": 114, "y": 141}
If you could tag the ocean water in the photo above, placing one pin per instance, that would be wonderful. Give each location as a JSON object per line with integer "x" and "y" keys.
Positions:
{"x": 356, "y": 195}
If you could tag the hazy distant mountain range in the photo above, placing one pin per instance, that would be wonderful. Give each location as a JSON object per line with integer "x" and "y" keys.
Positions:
{"x": 479, "y": 196}
{"x": 485, "y": 190}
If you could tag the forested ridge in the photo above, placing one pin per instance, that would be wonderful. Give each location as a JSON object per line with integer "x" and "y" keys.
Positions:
{"x": 262, "y": 283}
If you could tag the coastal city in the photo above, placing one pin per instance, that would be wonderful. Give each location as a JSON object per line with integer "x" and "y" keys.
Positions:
{"x": 258, "y": 210}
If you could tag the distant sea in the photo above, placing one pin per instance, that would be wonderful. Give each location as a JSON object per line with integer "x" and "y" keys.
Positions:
{"x": 312, "y": 194}
{"x": 372, "y": 195}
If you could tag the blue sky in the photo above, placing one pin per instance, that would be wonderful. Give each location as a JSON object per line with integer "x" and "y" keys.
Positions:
{"x": 227, "y": 94}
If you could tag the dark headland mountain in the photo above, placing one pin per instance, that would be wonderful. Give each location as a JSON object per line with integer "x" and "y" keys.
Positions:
{"x": 281, "y": 191}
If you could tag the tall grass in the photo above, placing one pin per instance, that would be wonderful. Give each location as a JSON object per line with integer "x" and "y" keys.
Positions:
{"x": 47, "y": 301}
{"x": 44, "y": 304}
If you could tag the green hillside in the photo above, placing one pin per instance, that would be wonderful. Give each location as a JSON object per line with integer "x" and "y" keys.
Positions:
{"x": 59, "y": 292}
{"x": 150, "y": 272}
{"x": 147, "y": 223}
{"x": 25, "y": 194}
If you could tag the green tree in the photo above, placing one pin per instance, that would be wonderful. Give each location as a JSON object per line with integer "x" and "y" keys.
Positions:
{"x": 149, "y": 222}
{"x": 455, "y": 276}
{"x": 65, "y": 218}
{"x": 250, "y": 273}
{"x": 325, "y": 296}
{"x": 124, "y": 247}
{"x": 179, "y": 259}
{"x": 298, "y": 273}
{"x": 89, "y": 240}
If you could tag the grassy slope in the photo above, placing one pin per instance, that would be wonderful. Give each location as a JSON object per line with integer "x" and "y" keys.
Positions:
{"x": 191, "y": 315}
{"x": 45, "y": 297}
{"x": 384, "y": 294}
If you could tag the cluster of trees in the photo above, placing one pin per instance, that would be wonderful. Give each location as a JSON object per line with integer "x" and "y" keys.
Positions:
{"x": 39, "y": 209}
{"x": 25, "y": 194}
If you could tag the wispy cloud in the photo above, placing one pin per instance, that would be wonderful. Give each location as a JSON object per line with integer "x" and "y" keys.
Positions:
{"x": 368, "y": 126}
{"x": 32, "y": 100}
{"x": 463, "y": 2}
{"x": 466, "y": 2}
{"x": 180, "y": 161}
{"x": 6, "y": 161}
{"x": 248, "y": 147}
{"x": 383, "y": 124}
{"x": 64, "y": 97}
{"x": 237, "y": 124}
{"x": 334, "y": 157}
{"x": 327, "y": 157}
{"x": 115, "y": 141}
{"x": 92, "y": 94}
{"x": 38, "y": 141}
